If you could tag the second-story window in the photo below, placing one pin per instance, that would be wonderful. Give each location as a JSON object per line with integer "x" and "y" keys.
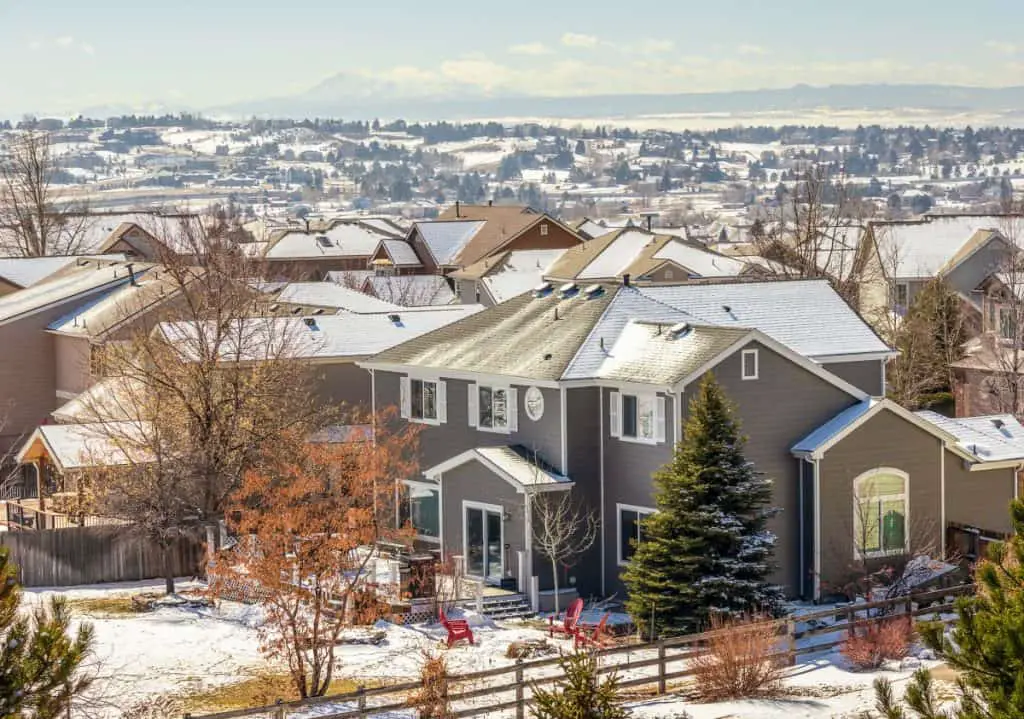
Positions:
{"x": 638, "y": 417}
{"x": 492, "y": 409}
{"x": 901, "y": 296}
{"x": 1007, "y": 323}
{"x": 423, "y": 400}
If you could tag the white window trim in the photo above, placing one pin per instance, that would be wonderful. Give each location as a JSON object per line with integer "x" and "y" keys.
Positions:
{"x": 654, "y": 399}
{"x": 433, "y": 486}
{"x": 511, "y": 398}
{"x": 618, "y": 528}
{"x": 905, "y": 496}
{"x": 467, "y": 504}
{"x": 436, "y": 422}
{"x": 757, "y": 364}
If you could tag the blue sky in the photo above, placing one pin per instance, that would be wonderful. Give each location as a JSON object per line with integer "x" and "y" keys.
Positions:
{"x": 61, "y": 55}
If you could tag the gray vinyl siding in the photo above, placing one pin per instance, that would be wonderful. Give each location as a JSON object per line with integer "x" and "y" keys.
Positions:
{"x": 883, "y": 441}
{"x": 968, "y": 275}
{"x": 342, "y": 383}
{"x": 475, "y": 483}
{"x": 979, "y": 499}
{"x": 628, "y": 471}
{"x": 583, "y": 408}
{"x": 865, "y": 376}
{"x": 776, "y": 411}
{"x": 442, "y": 442}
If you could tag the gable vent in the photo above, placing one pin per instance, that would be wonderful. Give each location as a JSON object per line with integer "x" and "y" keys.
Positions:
{"x": 568, "y": 290}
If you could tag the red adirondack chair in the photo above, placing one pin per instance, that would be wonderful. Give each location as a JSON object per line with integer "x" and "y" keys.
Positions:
{"x": 569, "y": 622}
{"x": 458, "y": 629}
{"x": 598, "y": 636}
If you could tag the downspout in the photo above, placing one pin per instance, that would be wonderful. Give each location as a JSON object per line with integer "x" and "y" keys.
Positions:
{"x": 565, "y": 439}
{"x": 817, "y": 529}
{"x": 803, "y": 529}
{"x": 527, "y": 571}
{"x": 942, "y": 501}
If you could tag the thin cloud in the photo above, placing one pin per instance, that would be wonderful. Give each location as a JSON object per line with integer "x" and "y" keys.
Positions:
{"x": 87, "y": 48}
{"x": 530, "y": 48}
{"x": 575, "y": 39}
{"x": 66, "y": 41}
{"x": 749, "y": 50}
{"x": 1002, "y": 47}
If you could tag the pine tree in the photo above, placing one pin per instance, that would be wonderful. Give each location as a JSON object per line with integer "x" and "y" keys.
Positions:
{"x": 706, "y": 549}
{"x": 986, "y": 645}
{"x": 40, "y": 660}
{"x": 581, "y": 695}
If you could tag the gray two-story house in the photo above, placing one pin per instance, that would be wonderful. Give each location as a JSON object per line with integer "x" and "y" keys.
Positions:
{"x": 586, "y": 390}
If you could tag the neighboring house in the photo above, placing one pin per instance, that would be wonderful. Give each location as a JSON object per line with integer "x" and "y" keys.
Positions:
{"x": 298, "y": 254}
{"x": 902, "y": 257}
{"x": 586, "y": 391}
{"x": 466, "y": 234}
{"x": 318, "y": 298}
{"x": 29, "y": 367}
{"x": 641, "y": 257}
{"x": 503, "y": 276}
{"x": 589, "y": 229}
{"x": 411, "y": 290}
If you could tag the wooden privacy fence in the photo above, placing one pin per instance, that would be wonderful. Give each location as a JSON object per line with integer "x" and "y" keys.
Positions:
{"x": 508, "y": 690}
{"x": 89, "y": 555}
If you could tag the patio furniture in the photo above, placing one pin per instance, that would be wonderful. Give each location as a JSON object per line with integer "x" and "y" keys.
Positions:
{"x": 458, "y": 629}
{"x": 597, "y": 637}
{"x": 569, "y": 622}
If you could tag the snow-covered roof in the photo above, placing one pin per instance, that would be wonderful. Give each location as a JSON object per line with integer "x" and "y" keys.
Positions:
{"x": 27, "y": 271}
{"x": 413, "y": 290}
{"x": 330, "y": 294}
{"x": 345, "y": 240}
{"x": 114, "y": 306}
{"x": 833, "y": 428}
{"x": 805, "y": 315}
{"x": 519, "y": 271}
{"x": 617, "y": 256}
{"x": 112, "y": 399}
{"x": 699, "y": 261}
{"x": 76, "y": 446}
{"x": 78, "y": 283}
{"x": 515, "y": 464}
{"x": 324, "y": 337}
{"x": 445, "y": 239}
{"x": 592, "y": 229}
{"x": 401, "y": 253}
{"x": 992, "y": 438}
{"x": 924, "y": 248}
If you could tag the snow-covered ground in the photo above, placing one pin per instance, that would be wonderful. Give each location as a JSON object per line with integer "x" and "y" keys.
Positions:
{"x": 181, "y": 651}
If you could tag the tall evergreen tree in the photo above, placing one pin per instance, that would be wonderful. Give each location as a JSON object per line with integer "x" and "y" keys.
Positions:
{"x": 986, "y": 645}
{"x": 40, "y": 659}
{"x": 707, "y": 548}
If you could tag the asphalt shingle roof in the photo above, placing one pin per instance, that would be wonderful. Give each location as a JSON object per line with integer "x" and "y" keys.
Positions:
{"x": 991, "y": 438}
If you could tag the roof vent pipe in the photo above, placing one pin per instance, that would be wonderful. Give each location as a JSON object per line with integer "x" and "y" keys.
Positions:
{"x": 457, "y": 206}
{"x": 625, "y": 280}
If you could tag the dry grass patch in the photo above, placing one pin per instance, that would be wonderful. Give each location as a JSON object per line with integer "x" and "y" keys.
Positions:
{"x": 103, "y": 606}
{"x": 260, "y": 690}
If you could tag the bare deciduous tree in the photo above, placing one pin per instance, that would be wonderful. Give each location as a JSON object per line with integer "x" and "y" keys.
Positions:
{"x": 562, "y": 529}
{"x": 36, "y": 219}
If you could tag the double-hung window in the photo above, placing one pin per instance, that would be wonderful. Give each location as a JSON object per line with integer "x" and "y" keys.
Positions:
{"x": 631, "y": 533}
{"x": 1007, "y": 323}
{"x": 493, "y": 408}
{"x": 423, "y": 400}
{"x": 638, "y": 417}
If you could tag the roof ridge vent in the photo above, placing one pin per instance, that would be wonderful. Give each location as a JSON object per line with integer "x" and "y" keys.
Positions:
{"x": 592, "y": 292}
{"x": 680, "y": 330}
{"x": 543, "y": 289}
{"x": 569, "y": 289}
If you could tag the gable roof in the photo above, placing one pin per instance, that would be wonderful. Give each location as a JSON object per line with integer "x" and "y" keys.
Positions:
{"x": 991, "y": 438}
{"x": 27, "y": 271}
{"x": 511, "y": 272}
{"x": 411, "y": 290}
{"x": 342, "y": 240}
{"x": 77, "y": 446}
{"x": 807, "y": 316}
{"x": 446, "y": 239}
{"x": 591, "y": 229}
{"x": 330, "y": 294}
{"x": 513, "y": 463}
{"x": 117, "y": 305}
{"x": 72, "y": 283}
{"x": 401, "y": 253}
{"x": 933, "y": 245}
{"x": 502, "y": 224}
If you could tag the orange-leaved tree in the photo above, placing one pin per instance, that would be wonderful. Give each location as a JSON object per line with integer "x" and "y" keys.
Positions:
{"x": 308, "y": 524}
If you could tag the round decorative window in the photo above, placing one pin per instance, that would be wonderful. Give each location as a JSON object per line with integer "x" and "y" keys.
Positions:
{"x": 534, "y": 401}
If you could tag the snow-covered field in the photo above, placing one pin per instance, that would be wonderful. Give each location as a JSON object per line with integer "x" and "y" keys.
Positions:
{"x": 181, "y": 651}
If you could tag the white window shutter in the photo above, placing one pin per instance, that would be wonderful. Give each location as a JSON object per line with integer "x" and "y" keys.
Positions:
{"x": 659, "y": 419}
{"x": 442, "y": 402}
{"x": 404, "y": 399}
{"x": 513, "y": 410}
{"x": 615, "y": 414}
{"x": 474, "y": 399}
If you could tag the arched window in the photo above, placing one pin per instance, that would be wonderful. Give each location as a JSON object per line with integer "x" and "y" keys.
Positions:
{"x": 880, "y": 513}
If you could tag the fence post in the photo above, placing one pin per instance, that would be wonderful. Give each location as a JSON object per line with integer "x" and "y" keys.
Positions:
{"x": 791, "y": 632}
{"x": 279, "y": 711}
{"x": 662, "y": 688}
{"x": 361, "y": 691}
{"x": 851, "y": 617}
{"x": 520, "y": 703}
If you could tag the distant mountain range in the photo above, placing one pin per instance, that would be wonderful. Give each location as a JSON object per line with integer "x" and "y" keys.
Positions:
{"x": 359, "y": 97}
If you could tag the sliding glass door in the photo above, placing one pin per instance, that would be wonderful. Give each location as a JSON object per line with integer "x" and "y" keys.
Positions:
{"x": 482, "y": 536}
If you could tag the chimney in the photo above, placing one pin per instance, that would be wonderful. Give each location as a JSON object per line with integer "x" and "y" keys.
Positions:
{"x": 625, "y": 280}
{"x": 650, "y": 221}
{"x": 457, "y": 215}
{"x": 307, "y": 224}
{"x": 490, "y": 203}
{"x": 131, "y": 275}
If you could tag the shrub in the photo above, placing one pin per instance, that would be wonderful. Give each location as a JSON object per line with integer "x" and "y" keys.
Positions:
{"x": 581, "y": 695}
{"x": 877, "y": 642}
{"x": 431, "y": 701}
{"x": 738, "y": 660}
